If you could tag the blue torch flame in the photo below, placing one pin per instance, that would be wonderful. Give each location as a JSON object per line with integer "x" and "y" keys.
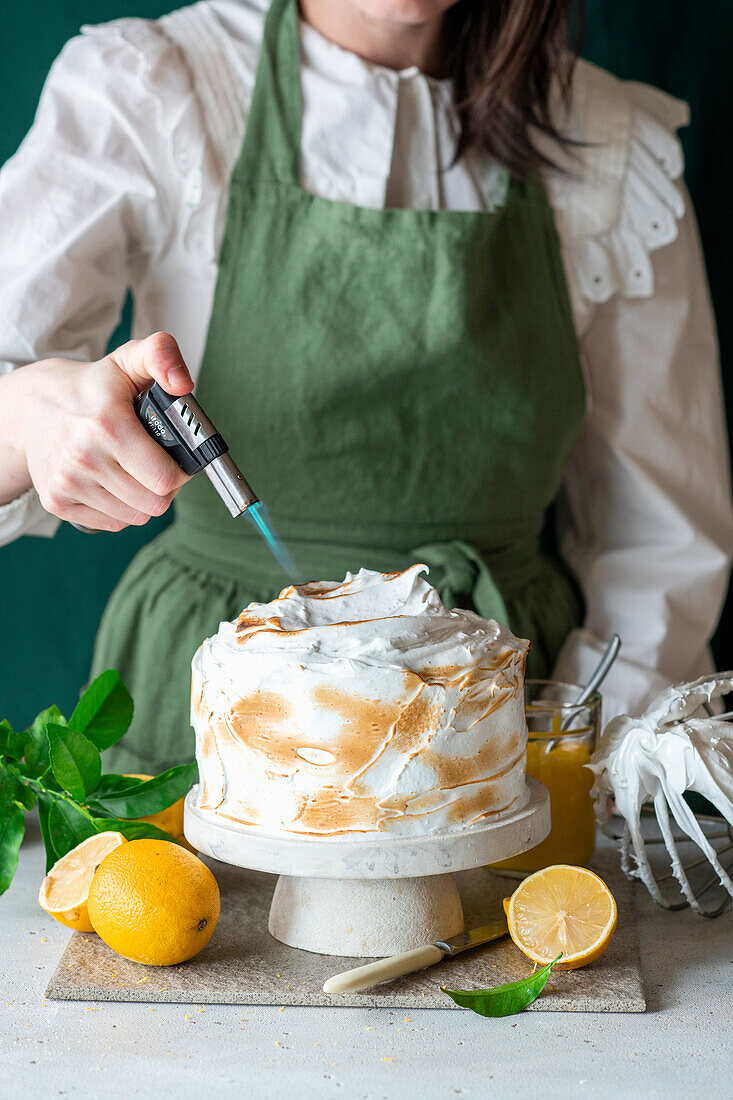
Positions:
{"x": 260, "y": 517}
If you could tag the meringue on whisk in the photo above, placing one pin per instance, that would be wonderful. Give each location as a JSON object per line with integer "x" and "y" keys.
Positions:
{"x": 656, "y": 758}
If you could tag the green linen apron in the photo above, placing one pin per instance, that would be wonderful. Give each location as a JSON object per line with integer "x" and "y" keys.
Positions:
{"x": 397, "y": 385}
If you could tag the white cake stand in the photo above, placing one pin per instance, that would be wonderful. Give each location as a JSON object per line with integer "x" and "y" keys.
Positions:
{"x": 369, "y": 897}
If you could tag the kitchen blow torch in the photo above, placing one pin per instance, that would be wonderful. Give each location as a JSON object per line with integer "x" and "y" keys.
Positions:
{"x": 183, "y": 429}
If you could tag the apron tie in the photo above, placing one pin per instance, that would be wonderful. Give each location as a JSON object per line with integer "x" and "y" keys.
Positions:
{"x": 467, "y": 577}
{"x": 464, "y": 575}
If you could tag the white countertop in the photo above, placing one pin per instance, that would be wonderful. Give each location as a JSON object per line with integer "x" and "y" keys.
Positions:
{"x": 679, "y": 1048}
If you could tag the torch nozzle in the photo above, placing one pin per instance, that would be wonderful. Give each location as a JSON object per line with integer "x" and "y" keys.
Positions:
{"x": 231, "y": 484}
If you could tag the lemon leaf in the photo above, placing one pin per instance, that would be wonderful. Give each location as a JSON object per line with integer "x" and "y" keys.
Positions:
{"x": 12, "y": 828}
{"x": 113, "y": 783}
{"x": 133, "y": 830}
{"x": 68, "y": 825}
{"x": 503, "y": 1000}
{"x": 75, "y": 761}
{"x": 12, "y": 744}
{"x": 104, "y": 711}
{"x": 148, "y": 796}
{"x": 36, "y": 740}
{"x": 44, "y": 810}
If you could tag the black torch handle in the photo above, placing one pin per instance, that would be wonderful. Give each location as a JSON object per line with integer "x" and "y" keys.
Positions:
{"x": 181, "y": 427}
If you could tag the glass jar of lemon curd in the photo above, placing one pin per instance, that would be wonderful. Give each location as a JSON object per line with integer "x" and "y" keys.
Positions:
{"x": 562, "y": 739}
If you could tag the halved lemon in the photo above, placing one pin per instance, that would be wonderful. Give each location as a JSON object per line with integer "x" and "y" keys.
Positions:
{"x": 65, "y": 889}
{"x": 562, "y": 909}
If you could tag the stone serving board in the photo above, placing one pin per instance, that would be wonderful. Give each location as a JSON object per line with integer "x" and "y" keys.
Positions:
{"x": 243, "y": 964}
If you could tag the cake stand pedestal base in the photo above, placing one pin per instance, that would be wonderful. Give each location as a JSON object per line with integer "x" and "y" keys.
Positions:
{"x": 365, "y": 918}
{"x": 370, "y": 896}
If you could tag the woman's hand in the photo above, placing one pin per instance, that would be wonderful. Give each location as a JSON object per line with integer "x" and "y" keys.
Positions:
{"x": 70, "y": 430}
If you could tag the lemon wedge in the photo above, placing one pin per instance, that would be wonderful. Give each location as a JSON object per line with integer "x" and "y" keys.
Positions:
{"x": 65, "y": 889}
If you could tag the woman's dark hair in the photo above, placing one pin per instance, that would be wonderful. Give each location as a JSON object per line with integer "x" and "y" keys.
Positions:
{"x": 506, "y": 57}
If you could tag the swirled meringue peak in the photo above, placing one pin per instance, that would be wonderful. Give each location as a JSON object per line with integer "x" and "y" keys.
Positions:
{"x": 361, "y": 707}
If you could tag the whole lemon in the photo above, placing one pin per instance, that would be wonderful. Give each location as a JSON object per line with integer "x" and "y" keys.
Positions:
{"x": 169, "y": 820}
{"x": 154, "y": 902}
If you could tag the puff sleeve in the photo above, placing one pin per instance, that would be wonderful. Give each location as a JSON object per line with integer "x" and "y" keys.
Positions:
{"x": 645, "y": 518}
{"x": 85, "y": 204}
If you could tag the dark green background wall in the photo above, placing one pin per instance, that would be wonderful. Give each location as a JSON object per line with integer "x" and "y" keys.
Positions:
{"x": 52, "y": 592}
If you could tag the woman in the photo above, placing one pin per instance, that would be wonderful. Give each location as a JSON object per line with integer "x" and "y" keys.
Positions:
{"x": 428, "y": 276}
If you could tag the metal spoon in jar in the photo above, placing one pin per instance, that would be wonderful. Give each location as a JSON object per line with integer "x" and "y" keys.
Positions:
{"x": 602, "y": 670}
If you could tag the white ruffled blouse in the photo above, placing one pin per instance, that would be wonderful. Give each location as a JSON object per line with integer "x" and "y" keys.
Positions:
{"x": 122, "y": 183}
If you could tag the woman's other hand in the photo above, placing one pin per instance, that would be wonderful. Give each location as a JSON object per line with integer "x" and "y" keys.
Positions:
{"x": 70, "y": 430}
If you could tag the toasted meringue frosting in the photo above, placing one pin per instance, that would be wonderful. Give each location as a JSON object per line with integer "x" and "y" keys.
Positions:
{"x": 360, "y": 707}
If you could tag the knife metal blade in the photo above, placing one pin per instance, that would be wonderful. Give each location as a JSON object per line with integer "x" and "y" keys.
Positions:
{"x": 364, "y": 977}
{"x": 473, "y": 938}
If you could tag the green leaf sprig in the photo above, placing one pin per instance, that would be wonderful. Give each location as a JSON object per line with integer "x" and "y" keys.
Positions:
{"x": 504, "y": 1000}
{"x": 57, "y": 765}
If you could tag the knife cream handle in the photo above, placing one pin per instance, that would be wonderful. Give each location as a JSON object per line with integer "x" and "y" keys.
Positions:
{"x": 381, "y": 971}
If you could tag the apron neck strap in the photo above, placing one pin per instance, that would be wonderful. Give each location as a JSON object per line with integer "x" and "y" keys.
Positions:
{"x": 271, "y": 147}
